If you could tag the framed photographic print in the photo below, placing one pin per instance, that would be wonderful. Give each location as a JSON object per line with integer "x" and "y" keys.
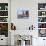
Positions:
{"x": 22, "y": 13}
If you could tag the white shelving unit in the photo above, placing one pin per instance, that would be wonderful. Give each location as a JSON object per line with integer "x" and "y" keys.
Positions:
{"x": 4, "y": 18}
{"x": 4, "y": 23}
{"x": 42, "y": 18}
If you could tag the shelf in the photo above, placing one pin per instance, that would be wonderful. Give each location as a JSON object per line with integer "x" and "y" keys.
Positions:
{"x": 41, "y": 10}
{"x": 42, "y": 37}
{"x": 41, "y": 28}
{"x": 3, "y": 16}
{"x": 3, "y": 22}
{"x": 3, "y": 10}
{"x": 41, "y": 22}
{"x": 42, "y": 16}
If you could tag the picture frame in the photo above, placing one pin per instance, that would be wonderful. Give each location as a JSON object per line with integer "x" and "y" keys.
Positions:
{"x": 22, "y": 13}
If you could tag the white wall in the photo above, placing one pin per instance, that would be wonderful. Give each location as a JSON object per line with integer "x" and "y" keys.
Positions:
{"x": 32, "y": 5}
{"x": 23, "y": 24}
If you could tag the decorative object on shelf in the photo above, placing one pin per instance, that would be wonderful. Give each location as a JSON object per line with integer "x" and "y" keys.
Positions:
{"x": 41, "y": 19}
{"x": 3, "y": 13}
{"x": 4, "y": 26}
{"x": 40, "y": 25}
{"x": 4, "y": 29}
{"x": 0, "y": 7}
{"x": 3, "y": 6}
{"x": 3, "y": 19}
{"x": 41, "y": 13}
{"x": 6, "y": 7}
{"x": 31, "y": 27}
{"x": 42, "y": 32}
{"x": 13, "y": 27}
{"x": 23, "y": 13}
{"x": 41, "y": 6}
